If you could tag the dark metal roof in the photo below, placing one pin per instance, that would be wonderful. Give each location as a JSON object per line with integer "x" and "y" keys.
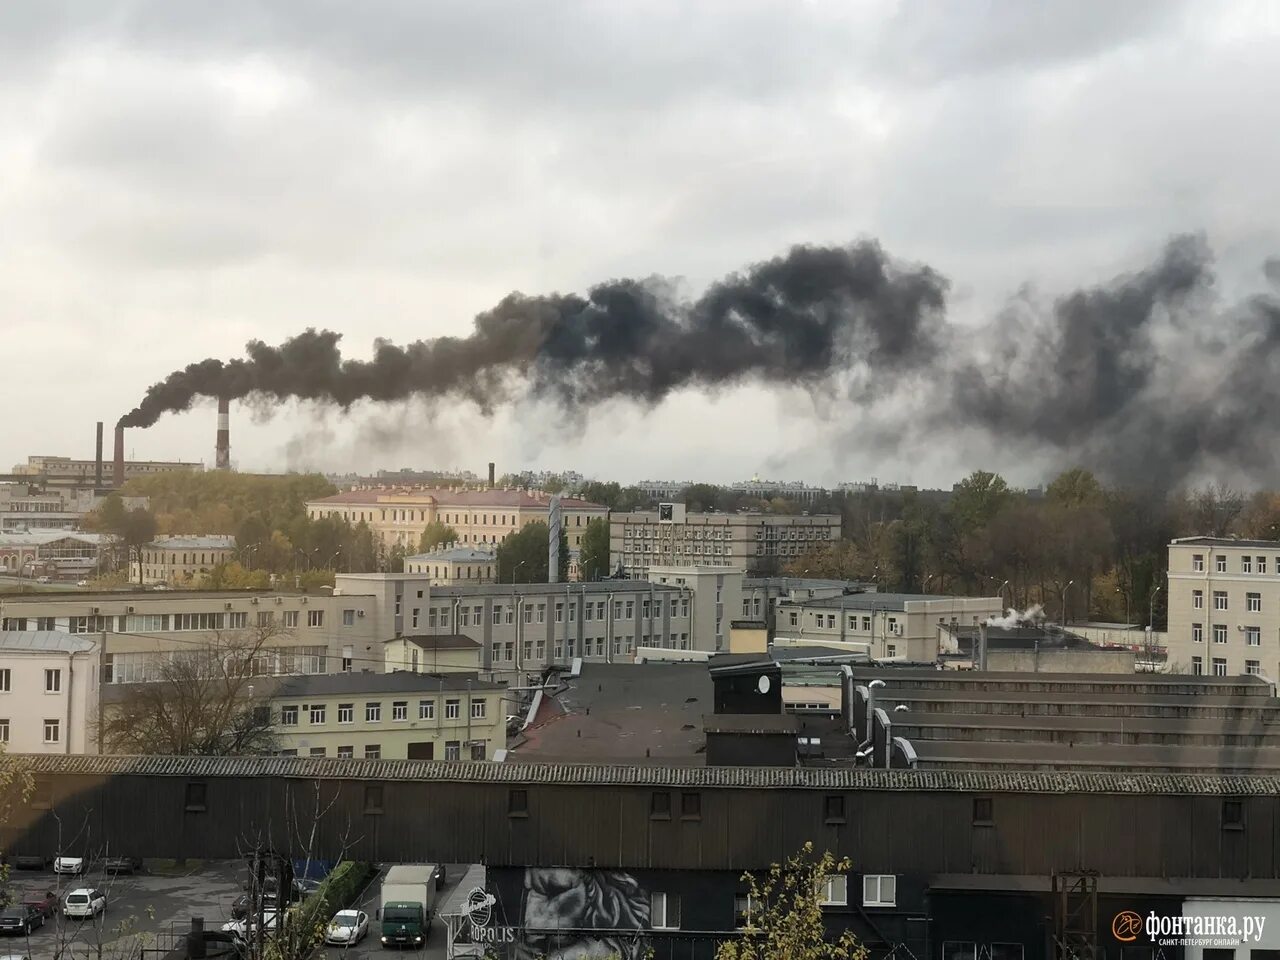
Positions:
{"x": 753, "y": 723}
{"x": 401, "y": 681}
{"x": 813, "y": 778}
{"x": 445, "y": 641}
{"x": 1225, "y": 542}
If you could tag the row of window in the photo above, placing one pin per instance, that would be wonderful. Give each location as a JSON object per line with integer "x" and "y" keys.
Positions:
{"x": 52, "y": 680}
{"x": 186, "y": 622}
{"x": 1252, "y": 635}
{"x": 1219, "y": 664}
{"x": 1248, "y": 564}
{"x": 144, "y": 667}
{"x": 1252, "y": 601}
{"x": 476, "y": 750}
{"x": 188, "y": 559}
{"x": 316, "y": 713}
{"x": 534, "y": 613}
{"x": 535, "y": 650}
{"x": 52, "y": 730}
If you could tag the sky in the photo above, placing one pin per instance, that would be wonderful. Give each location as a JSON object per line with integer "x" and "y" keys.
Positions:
{"x": 178, "y": 179}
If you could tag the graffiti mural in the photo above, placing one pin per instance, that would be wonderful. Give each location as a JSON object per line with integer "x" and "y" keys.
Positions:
{"x": 570, "y": 914}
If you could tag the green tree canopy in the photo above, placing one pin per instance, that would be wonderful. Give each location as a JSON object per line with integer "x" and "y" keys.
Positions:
{"x": 1075, "y": 488}
{"x": 522, "y": 556}
{"x": 436, "y": 534}
{"x": 593, "y": 556}
{"x": 978, "y": 498}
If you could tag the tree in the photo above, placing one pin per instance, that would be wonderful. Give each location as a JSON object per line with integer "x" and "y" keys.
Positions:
{"x": 198, "y": 704}
{"x": 593, "y": 557}
{"x": 395, "y": 559}
{"x": 1212, "y": 510}
{"x": 978, "y": 498}
{"x": 522, "y": 556}
{"x": 436, "y": 534}
{"x": 137, "y": 529}
{"x": 700, "y": 497}
{"x": 1075, "y": 488}
{"x": 785, "y": 914}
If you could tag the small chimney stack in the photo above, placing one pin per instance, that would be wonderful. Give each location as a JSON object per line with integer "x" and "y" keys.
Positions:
{"x": 97, "y": 461}
{"x": 222, "y": 453}
{"x": 491, "y": 475}
{"x": 117, "y": 471}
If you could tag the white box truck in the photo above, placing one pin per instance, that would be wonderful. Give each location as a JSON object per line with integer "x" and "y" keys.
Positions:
{"x": 408, "y": 902}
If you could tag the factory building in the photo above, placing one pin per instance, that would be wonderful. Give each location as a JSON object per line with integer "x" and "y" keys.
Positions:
{"x": 64, "y": 469}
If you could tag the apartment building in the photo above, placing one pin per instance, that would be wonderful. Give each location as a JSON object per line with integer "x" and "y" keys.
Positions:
{"x": 48, "y": 691}
{"x": 182, "y": 558}
{"x": 761, "y": 595}
{"x": 524, "y": 627}
{"x": 717, "y": 595}
{"x": 298, "y": 632}
{"x": 884, "y": 625}
{"x": 1224, "y": 607}
{"x": 390, "y": 716}
{"x": 751, "y": 542}
{"x": 455, "y": 564}
{"x": 480, "y": 517}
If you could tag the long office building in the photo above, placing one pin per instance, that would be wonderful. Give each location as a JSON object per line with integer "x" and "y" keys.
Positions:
{"x": 751, "y": 542}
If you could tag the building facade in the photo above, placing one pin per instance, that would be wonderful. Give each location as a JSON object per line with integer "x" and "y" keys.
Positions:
{"x": 455, "y": 564}
{"x": 390, "y": 716}
{"x": 717, "y": 595}
{"x": 58, "y": 554}
{"x": 884, "y": 625}
{"x": 443, "y": 653}
{"x": 181, "y": 558}
{"x": 66, "y": 468}
{"x": 48, "y": 692}
{"x": 671, "y": 536}
{"x": 1224, "y": 607}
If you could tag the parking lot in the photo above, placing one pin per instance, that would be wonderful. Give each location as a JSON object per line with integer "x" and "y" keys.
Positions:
{"x": 149, "y": 909}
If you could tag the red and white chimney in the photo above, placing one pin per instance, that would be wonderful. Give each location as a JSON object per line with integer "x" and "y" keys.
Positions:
{"x": 222, "y": 453}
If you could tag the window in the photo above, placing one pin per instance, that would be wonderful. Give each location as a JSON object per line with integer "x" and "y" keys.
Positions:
{"x": 289, "y": 716}
{"x": 1197, "y": 599}
{"x": 1219, "y": 633}
{"x": 959, "y": 950}
{"x": 400, "y": 710}
{"x": 317, "y": 713}
{"x": 52, "y": 681}
{"x": 631, "y": 609}
{"x": 745, "y": 910}
{"x": 834, "y": 808}
{"x": 348, "y": 618}
{"x": 373, "y": 713}
{"x": 453, "y": 750}
{"x": 866, "y": 623}
{"x": 1233, "y": 814}
{"x": 795, "y": 619}
{"x": 346, "y": 753}
{"x": 51, "y": 731}
{"x": 431, "y": 617}
{"x": 464, "y": 617}
{"x": 542, "y": 613}
{"x": 319, "y": 752}
{"x": 600, "y": 610}
{"x": 660, "y": 805}
{"x": 477, "y": 750}
{"x": 1252, "y": 668}
{"x": 1220, "y": 564}
{"x": 196, "y": 798}
{"x": 690, "y": 806}
{"x": 373, "y": 751}
{"x": 982, "y": 809}
{"x": 4, "y": 731}
{"x": 517, "y": 803}
{"x": 426, "y": 709}
{"x": 617, "y": 609}
{"x": 1253, "y": 636}
{"x": 588, "y": 611}
{"x": 559, "y": 613}
{"x": 347, "y": 656}
{"x": 414, "y": 614}
{"x": 477, "y": 614}
{"x": 1246, "y": 564}
{"x": 1197, "y": 633}
{"x": 452, "y": 709}
{"x": 879, "y": 890}
{"x": 528, "y": 613}
{"x": 1219, "y": 666}
{"x": 5, "y": 679}
{"x": 497, "y": 614}
{"x": 1197, "y": 666}
{"x": 346, "y": 713}
{"x": 478, "y": 709}
{"x": 835, "y": 890}
{"x": 237, "y": 621}
{"x": 1262, "y": 564}
{"x": 266, "y": 617}
{"x": 664, "y": 911}
{"x": 372, "y": 795}
{"x": 291, "y": 618}
{"x": 1197, "y": 562}
{"x": 1253, "y": 602}
{"x": 198, "y": 621}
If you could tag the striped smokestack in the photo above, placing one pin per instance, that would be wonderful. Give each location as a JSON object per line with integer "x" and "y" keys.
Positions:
{"x": 97, "y": 460}
{"x": 222, "y": 453}
{"x": 117, "y": 471}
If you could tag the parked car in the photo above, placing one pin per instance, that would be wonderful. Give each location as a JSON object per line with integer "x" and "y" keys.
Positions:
{"x": 71, "y": 865}
{"x": 84, "y": 904}
{"x": 122, "y": 864}
{"x": 347, "y": 927}
{"x": 244, "y": 929}
{"x": 46, "y": 903}
{"x": 301, "y": 889}
{"x": 20, "y": 918}
{"x": 29, "y": 862}
{"x": 82, "y": 583}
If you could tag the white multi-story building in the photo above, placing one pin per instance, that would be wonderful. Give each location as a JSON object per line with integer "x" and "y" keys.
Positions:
{"x": 48, "y": 692}
{"x": 1224, "y": 606}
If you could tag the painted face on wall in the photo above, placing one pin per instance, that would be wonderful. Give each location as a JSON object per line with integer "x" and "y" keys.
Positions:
{"x": 563, "y": 908}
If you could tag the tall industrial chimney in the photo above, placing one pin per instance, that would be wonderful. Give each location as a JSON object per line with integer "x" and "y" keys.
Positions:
{"x": 490, "y": 475}
{"x": 117, "y": 473}
{"x": 553, "y": 540}
{"x": 222, "y": 454}
{"x": 97, "y": 461}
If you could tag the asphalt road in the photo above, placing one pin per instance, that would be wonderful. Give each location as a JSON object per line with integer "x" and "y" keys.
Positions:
{"x": 150, "y": 909}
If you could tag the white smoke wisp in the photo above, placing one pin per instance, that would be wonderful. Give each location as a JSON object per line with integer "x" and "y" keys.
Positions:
{"x": 1014, "y": 618}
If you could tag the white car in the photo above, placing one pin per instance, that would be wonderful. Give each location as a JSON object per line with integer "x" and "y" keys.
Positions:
{"x": 244, "y": 928}
{"x": 346, "y": 928}
{"x": 82, "y": 583}
{"x": 43, "y": 580}
{"x": 84, "y": 903}
{"x": 71, "y": 865}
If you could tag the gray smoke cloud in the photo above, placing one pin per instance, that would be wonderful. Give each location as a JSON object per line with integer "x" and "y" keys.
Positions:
{"x": 1143, "y": 379}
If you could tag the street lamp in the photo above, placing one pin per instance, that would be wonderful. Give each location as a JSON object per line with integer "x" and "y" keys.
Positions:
{"x": 1064, "y": 602}
{"x": 516, "y": 570}
{"x": 1151, "y": 608}
{"x": 249, "y": 552}
{"x": 329, "y": 563}
{"x": 1126, "y": 605}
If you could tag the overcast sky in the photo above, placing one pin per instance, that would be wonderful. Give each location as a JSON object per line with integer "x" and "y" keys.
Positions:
{"x": 178, "y": 178}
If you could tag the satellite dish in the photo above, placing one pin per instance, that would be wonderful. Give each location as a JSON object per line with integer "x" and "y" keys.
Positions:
{"x": 763, "y": 685}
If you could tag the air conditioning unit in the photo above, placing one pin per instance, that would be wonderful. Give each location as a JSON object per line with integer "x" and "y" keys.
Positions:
{"x": 897, "y": 630}
{"x": 304, "y": 599}
{"x": 359, "y": 613}
{"x": 254, "y": 601}
{"x": 128, "y": 609}
{"x": 279, "y": 600}
{"x": 227, "y": 606}
{"x": 94, "y": 611}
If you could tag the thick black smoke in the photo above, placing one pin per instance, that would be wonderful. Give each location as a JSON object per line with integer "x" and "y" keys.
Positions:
{"x": 795, "y": 319}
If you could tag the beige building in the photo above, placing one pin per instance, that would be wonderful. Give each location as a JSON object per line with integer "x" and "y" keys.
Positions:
{"x": 65, "y": 468}
{"x": 182, "y": 559}
{"x": 48, "y": 692}
{"x": 480, "y": 517}
{"x": 390, "y": 716}
{"x": 883, "y": 625}
{"x": 670, "y": 536}
{"x": 444, "y": 653}
{"x": 1224, "y": 607}
{"x": 748, "y": 636}
{"x": 717, "y": 595}
{"x": 455, "y": 564}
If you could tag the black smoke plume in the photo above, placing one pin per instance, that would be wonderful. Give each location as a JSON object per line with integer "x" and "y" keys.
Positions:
{"x": 794, "y": 319}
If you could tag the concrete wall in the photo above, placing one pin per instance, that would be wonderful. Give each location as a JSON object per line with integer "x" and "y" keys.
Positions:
{"x": 748, "y": 640}
{"x": 405, "y": 655}
{"x": 1061, "y": 661}
{"x": 26, "y": 705}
